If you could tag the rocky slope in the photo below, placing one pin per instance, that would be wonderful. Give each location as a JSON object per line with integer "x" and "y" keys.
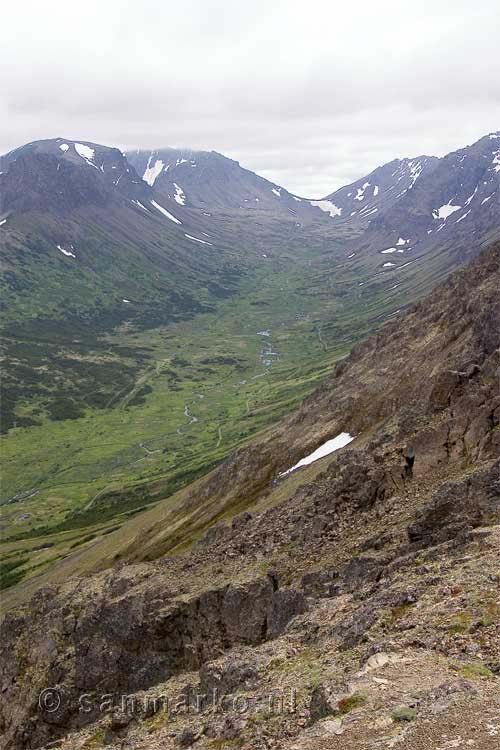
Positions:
{"x": 355, "y": 605}
{"x": 424, "y": 211}
{"x": 364, "y": 200}
{"x": 211, "y": 181}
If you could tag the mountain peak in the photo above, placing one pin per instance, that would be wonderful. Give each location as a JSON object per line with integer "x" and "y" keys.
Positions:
{"x": 60, "y": 174}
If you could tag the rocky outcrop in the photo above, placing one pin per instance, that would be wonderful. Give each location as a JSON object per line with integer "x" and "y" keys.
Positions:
{"x": 128, "y": 641}
{"x": 457, "y": 507}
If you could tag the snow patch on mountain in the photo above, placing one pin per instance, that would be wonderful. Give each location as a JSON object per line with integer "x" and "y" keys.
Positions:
{"x": 196, "y": 239}
{"x": 152, "y": 172}
{"x": 86, "y": 153}
{"x": 444, "y": 211}
{"x": 165, "y": 212}
{"x": 471, "y": 196}
{"x": 64, "y": 147}
{"x": 344, "y": 438}
{"x": 464, "y": 216}
{"x": 179, "y": 196}
{"x": 68, "y": 253}
{"x": 360, "y": 194}
{"x": 328, "y": 207}
{"x": 416, "y": 168}
{"x": 141, "y": 205}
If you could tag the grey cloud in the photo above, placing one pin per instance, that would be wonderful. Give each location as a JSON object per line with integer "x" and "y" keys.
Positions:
{"x": 310, "y": 95}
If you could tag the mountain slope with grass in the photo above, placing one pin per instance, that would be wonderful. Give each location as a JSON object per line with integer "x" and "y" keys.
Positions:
{"x": 145, "y": 341}
{"x": 359, "y": 593}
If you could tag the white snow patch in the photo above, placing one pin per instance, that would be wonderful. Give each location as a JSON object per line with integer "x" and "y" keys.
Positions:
{"x": 375, "y": 191}
{"x": 165, "y": 212}
{"x": 485, "y": 200}
{"x": 125, "y": 300}
{"x": 69, "y": 253}
{"x": 180, "y": 161}
{"x": 276, "y": 192}
{"x": 2, "y": 222}
{"x": 179, "y": 196}
{"x": 444, "y": 211}
{"x": 402, "y": 241}
{"x": 471, "y": 197}
{"x": 324, "y": 450}
{"x": 416, "y": 168}
{"x": 86, "y": 153}
{"x": 388, "y": 265}
{"x": 389, "y": 250}
{"x": 152, "y": 172}
{"x": 464, "y": 216}
{"x": 328, "y": 207}
{"x": 64, "y": 147}
{"x": 496, "y": 160}
{"x": 196, "y": 239}
{"x": 360, "y": 194}
{"x": 297, "y": 199}
{"x": 351, "y": 255}
{"x": 138, "y": 203}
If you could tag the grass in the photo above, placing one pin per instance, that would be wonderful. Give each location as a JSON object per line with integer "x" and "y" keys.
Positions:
{"x": 346, "y": 705}
{"x": 476, "y": 671}
{"x": 190, "y": 392}
{"x": 404, "y": 714}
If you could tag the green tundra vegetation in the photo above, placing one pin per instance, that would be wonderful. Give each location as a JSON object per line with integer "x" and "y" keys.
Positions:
{"x": 106, "y": 421}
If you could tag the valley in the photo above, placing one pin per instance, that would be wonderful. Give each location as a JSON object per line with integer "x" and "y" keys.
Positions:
{"x": 139, "y": 359}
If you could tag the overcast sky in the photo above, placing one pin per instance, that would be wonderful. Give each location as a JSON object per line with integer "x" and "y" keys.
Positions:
{"x": 309, "y": 94}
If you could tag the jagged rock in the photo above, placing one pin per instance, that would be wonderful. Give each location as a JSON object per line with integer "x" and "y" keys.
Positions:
{"x": 321, "y": 583}
{"x": 458, "y": 506}
{"x": 324, "y": 700}
{"x": 445, "y": 384}
{"x": 187, "y": 736}
{"x": 228, "y": 675}
{"x": 213, "y": 534}
{"x": 245, "y": 610}
{"x": 286, "y": 603}
{"x": 241, "y": 520}
{"x": 353, "y": 630}
{"x": 359, "y": 570}
{"x": 119, "y": 721}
